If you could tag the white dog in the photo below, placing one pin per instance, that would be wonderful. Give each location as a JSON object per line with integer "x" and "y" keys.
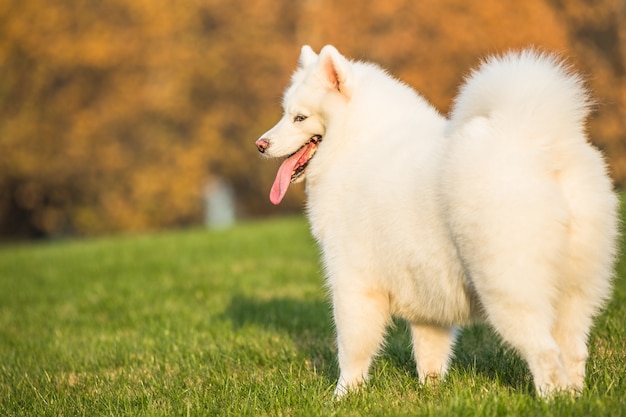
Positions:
{"x": 503, "y": 212}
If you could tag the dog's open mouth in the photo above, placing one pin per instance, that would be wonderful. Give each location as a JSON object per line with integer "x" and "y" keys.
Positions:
{"x": 292, "y": 168}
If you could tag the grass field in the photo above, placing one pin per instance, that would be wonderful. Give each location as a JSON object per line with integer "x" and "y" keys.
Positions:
{"x": 237, "y": 323}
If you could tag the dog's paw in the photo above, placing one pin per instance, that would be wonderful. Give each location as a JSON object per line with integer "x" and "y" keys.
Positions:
{"x": 343, "y": 387}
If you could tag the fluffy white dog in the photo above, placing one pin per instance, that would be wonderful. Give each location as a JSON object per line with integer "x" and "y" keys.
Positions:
{"x": 503, "y": 212}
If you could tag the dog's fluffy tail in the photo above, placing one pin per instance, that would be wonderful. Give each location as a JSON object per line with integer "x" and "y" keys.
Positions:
{"x": 527, "y": 91}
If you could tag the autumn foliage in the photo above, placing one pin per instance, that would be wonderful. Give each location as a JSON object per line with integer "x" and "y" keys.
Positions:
{"x": 114, "y": 115}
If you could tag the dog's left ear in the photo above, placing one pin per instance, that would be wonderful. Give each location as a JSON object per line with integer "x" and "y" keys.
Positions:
{"x": 307, "y": 57}
{"x": 336, "y": 70}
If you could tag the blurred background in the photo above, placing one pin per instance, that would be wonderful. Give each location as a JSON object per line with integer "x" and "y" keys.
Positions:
{"x": 133, "y": 115}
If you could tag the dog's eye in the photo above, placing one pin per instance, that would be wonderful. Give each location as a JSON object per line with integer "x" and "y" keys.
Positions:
{"x": 299, "y": 118}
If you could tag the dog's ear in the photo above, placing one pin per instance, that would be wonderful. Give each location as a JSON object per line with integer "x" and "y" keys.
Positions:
{"x": 307, "y": 57}
{"x": 336, "y": 70}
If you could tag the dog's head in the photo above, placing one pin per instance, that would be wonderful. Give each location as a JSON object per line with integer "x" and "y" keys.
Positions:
{"x": 320, "y": 85}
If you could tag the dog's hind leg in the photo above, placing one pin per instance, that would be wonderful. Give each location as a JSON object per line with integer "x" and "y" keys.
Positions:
{"x": 527, "y": 327}
{"x": 361, "y": 319}
{"x": 516, "y": 278}
{"x": 585, "y": 288}
{"x": 516, "y": 274}
{"x": 432, "y": 347}
{"x": 586, "y": 283}
{"x": 573, "y": 321}
{"x": 513, "y": 241}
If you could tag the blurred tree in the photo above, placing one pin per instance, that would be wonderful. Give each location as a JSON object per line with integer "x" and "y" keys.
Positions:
{"x": 114, "y": 115}
{"x": 432, "y": 44}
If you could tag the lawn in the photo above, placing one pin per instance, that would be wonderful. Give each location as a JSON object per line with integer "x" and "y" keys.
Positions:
{"x": 237, "y": 322}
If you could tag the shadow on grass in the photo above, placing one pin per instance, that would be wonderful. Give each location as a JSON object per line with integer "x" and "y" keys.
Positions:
{"x": 479, "y": 354}
{"x": 308, "y": 323}
{"x": 478, "y": 351}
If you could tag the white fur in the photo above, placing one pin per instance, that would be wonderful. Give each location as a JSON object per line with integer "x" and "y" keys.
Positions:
{"x": 502, "y": 213}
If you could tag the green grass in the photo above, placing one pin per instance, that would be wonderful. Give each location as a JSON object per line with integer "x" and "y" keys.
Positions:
{"x": 237, "y": 322}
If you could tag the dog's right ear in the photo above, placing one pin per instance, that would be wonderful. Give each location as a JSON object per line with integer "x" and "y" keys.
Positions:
{"x": 307, "y": 57}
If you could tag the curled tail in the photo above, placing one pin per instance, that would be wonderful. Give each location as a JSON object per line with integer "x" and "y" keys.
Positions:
{"x": 529, "y": 91}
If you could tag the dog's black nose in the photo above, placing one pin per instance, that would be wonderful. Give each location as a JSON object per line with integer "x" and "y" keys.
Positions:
{"x": 262, "y": 145}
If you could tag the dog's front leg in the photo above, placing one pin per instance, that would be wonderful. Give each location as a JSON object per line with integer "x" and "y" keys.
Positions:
{"x": 361, "y": 318}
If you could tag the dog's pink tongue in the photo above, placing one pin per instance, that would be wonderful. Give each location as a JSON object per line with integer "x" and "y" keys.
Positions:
{"x": 283, "y": 178}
